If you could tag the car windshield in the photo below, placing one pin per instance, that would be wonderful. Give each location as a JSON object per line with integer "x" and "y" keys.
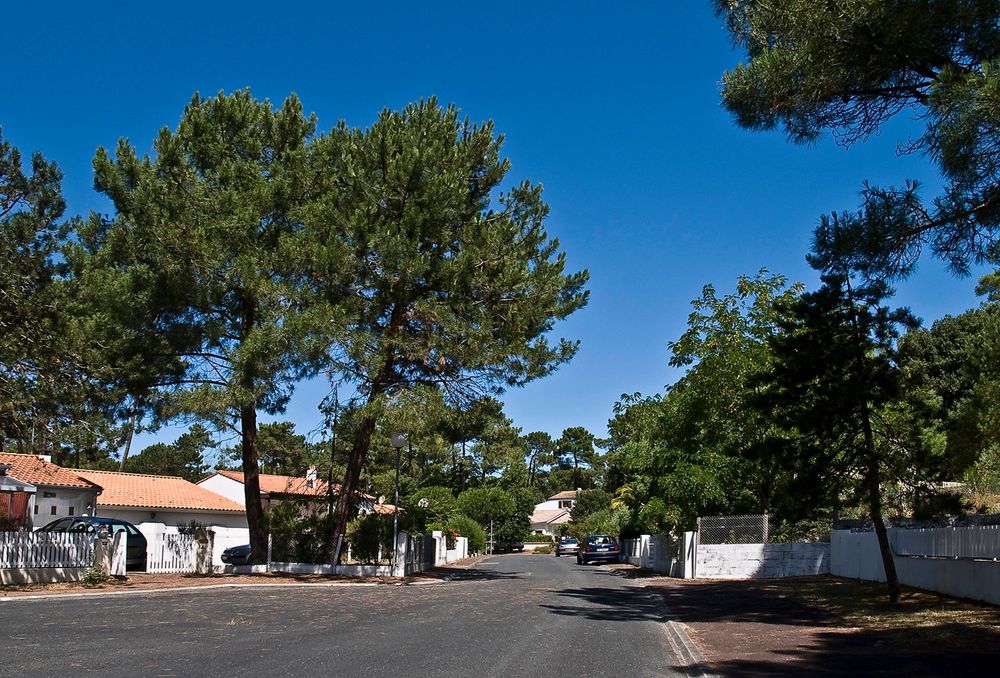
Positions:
{"x": 569, "y": 541}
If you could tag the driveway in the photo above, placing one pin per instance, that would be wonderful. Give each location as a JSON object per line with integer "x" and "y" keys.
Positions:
{"x": 512, "y": 615}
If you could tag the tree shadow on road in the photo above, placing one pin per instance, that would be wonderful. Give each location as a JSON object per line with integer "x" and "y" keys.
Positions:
{"x": 608, "y": 604}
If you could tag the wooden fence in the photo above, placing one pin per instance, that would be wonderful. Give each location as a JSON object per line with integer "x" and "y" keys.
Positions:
{"x": 977, "y": 541}
{"x": 46, "y": 549}
{"x": 166, "y": 552}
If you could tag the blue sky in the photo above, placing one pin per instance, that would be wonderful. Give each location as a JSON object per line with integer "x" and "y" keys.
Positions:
{"x": 615, "y": 109}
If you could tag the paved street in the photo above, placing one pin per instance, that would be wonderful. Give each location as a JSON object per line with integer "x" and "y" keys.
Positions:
{"x": 512, "y": 615}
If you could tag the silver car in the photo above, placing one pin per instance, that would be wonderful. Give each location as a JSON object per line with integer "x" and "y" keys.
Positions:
{"x": 567, "y": 546}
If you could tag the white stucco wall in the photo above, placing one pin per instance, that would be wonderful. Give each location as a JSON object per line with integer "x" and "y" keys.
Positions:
{"x": 227, "y": 487}
{"x": 48, "y": 508}
{"x": 174, "y": 518}
{"x": 761, "y": 561}
{"x": 856, "y": 555}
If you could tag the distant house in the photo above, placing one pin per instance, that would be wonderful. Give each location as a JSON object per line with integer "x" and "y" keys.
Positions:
{"x": 308, "y": 492}
{"x": 552, "y": 513}
{"x": 59, "y": 492}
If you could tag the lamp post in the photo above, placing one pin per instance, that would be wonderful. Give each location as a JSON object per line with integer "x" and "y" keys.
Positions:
{"x": 398, "y": 441}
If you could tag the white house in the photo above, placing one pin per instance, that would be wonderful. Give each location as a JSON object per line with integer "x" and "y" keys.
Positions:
{"x": 166, "y": 504}
{"x": 59, "y": 492}
{"x": 552, "y": 513}
{"x": 307, "y": 491}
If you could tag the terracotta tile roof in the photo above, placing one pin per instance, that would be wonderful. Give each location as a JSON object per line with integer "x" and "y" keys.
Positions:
{"x": 30, "y": 469}
{"x": 566, "y": 494}
{"x": 162, "y": 492}
{"x": 385, "y": 509}
{"x": 275, "y": 484}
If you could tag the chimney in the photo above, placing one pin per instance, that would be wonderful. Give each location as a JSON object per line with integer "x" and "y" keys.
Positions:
{"x": 311, "y": 476}
{"x": 47, "y": 458}
{"x": 4, "y": 468}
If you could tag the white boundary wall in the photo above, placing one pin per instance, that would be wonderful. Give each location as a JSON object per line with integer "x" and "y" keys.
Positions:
{"x": 761, "y": 561}
{"x": 856, "y": 555}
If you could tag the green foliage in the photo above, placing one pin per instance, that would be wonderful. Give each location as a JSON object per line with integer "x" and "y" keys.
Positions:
{"x": 94, "y": 577}
{"x": 589, "y": 501}
{"x": 429, "y": 505}
{"x": 185, "y": 457}
{"x": 575, "y": 452}
{"x": 606, "y": 521}
{"x": 443, "y": 279}
{"x": 487, "y": 504}
{"x": 696, "y": 449}
{"x": 368, "y": 534}
{"x": 849, "y": 66}
{"x": 469, "y": 528}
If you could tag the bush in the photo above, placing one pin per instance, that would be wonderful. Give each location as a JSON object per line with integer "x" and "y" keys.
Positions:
{"x": 93, "y": 577}
{"x": 367, "y": 535}
{"x": 470, "y": 529}
{"x": 429, "y": 505}
{"x": 547, "y": 548}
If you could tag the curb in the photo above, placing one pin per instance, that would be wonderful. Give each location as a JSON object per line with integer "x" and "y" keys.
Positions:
{"x": 209, "y": 587}
{"x": 680, "y": 642}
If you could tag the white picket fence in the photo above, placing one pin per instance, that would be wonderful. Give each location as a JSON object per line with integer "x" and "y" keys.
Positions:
{"x": 46, "y": 549}
{"x": 166, "y": 552}
{"x": 979, "y": 541}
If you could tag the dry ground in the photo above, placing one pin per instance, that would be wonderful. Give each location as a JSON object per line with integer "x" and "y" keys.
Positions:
{"x": 831, "y": 626}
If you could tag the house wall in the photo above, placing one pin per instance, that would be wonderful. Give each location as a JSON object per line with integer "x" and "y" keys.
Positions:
{"x": 553, "y": 504}
{"x": 856, "y": 555}
{"x": 52, "y": 503}
{"x": 174, "y": 518}
{"x": 227, "y": 487}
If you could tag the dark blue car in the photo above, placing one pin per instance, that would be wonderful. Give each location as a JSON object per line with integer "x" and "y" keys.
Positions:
{"x": 135, "y": 542}
{"x": 598, "y": 547}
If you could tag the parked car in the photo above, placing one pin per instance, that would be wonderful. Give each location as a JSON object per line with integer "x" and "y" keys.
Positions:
{"x": 515, "y": 546}
{"x": 598, "y": 547}
{"x": 566, "y": 546}
{"x": 135, "y": 542}
{"x": 237, "y": 555}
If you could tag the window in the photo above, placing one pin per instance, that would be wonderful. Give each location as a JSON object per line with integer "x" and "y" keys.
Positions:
{"x": 36, "y": 509}
{"x": 53, "y": 510}
{"x": 565, "y": 503}
{"x": 49, "y": 495}
{"x": 71, "y": 510}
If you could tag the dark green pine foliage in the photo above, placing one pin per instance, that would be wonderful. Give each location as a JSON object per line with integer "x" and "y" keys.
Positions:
{"x": 50, "y": 399}
{"x": 185, "y": 457}
{"x": 446, "y": 279}
{"x": 196, "y": 271}
{"x": 848, "y": 67}
{"x": 833, "y": 373}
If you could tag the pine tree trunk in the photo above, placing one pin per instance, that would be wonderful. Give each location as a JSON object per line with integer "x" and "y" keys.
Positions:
{"x": 251, "y": 485}
{"x": 342, "y": 511}
{"x": 875, "y": 507}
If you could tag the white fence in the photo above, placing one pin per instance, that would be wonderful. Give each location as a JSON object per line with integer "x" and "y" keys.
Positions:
{"x": 980, "y": 541}
{"x": 939, "y": 566}
{"x": 166, "y": 552}
{"x": 46, "y": 549}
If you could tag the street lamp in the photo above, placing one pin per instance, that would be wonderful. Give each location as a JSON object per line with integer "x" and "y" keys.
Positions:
{"x": 398, "y": 441}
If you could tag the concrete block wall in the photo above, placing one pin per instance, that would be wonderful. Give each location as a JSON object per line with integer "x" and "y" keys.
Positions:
{"x": 760, "y": 561}
{"x": 856, "y": 555}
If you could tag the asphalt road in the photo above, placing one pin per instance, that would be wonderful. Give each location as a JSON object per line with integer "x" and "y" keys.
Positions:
{"x": 512, "y": 615}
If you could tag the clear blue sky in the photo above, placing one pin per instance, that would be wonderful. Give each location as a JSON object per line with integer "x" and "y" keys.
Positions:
{"x": 614, "y": 109}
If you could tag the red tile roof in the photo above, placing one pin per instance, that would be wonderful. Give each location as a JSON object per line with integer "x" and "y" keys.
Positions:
{"x": 295, "y": 485}
{"x": 157, "y": 492}
{"x": 275, "y": 484}
{"x": 566, "y": 494}
{"x": 30, "y": 469}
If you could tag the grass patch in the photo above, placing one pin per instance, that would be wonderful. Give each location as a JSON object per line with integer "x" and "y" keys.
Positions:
{"x": 919, "y": 619}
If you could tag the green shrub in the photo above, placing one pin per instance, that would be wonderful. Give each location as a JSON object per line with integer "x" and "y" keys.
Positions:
{"x": 470, "y": 529}
{"x": 367, "y": 534}
{"x": 93, "y": 577}
{"x": 428, "y": 505}
{"x": 547, "y": 548}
